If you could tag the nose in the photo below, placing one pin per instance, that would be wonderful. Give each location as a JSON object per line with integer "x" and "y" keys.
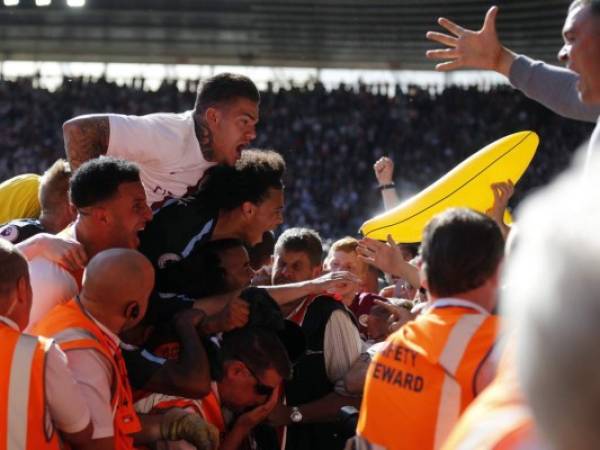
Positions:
{"x": 563, "y": 54}
{"x": 251, "y": 134}
{"x": 147, "y": 214}
{"x": 250, "y": 273}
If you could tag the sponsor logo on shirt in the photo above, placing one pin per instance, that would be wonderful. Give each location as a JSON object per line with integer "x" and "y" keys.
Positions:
{"x": 10, "y": 233}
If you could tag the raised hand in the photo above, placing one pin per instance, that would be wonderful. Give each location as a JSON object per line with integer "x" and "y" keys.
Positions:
{"x": 384, "y": 170}
{"x": 470, "y": 49}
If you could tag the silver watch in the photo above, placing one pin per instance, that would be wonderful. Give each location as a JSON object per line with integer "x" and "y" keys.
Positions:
{"x": 296, "y": 415}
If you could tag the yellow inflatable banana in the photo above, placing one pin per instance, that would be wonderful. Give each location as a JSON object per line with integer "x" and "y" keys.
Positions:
{"x": 467, "y": 185}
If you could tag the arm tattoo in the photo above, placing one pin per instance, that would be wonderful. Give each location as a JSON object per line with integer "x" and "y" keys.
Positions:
{"x": 85, "y": 138}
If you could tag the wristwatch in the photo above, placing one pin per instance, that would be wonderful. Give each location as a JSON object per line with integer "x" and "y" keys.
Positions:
{"x": 295, "y": 415}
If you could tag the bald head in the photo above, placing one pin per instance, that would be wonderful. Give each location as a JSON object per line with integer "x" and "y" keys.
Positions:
{"x": 117, "y": 284}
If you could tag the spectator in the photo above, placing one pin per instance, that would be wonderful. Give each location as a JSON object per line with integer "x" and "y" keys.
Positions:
{"x": 56, "y": 210}
{"x": 423, "y": 131}
{"x": 482, "y": 50}
{"x": 343, "y": 256}
{"x": 578, "y": 86}
{"x": 332, "y": 341}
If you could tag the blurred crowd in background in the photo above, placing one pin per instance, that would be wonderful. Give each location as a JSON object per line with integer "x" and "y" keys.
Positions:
{"x": 425, "y": 132}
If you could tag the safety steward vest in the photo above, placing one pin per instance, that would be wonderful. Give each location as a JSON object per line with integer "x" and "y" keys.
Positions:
{"x": 61, "y": 323}
{"x": 424, "y": 378}
{"x": 207, "y": 407}
{"x": 22, "y": 395}
{"x": 499, "y": 418}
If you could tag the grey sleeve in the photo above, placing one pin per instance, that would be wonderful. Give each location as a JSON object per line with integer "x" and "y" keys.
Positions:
{"x": 552, "y": 86}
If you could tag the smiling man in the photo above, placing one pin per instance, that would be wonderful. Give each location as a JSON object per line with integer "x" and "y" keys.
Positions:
{"x": 173, "y": 150}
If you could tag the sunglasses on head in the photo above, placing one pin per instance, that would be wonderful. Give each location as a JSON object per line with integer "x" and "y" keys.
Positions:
{"x": 259, "y": 388}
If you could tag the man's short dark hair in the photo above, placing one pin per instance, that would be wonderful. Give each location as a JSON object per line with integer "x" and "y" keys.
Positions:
{"x": 257, "y": 171}
{"x": 223, "y": 88}
{"x": 461, "y": 250}
{"x": 13, "y": 266}
{"x": 301, "y": 240}
{"x": 261, "y": 253}
{"x": 99, "y": 179}
{"x": 260, "y": 349}
{"x": 201, "y": 274}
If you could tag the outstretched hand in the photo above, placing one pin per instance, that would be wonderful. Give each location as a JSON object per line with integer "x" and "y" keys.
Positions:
{"x": 335, "y": 281}
{"x": 470, "y": 49}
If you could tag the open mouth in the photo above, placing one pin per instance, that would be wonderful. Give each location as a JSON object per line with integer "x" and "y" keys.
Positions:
{"x": 239, "y": 149}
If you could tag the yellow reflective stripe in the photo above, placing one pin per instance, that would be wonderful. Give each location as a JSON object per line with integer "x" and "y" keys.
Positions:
{"x": 453, "y": 353}
{"x": 73, "y": 334}
{"x": 448, "y": 411}
{"x": 458, "y": 341}
{"x": 490, "y": 430}
{"x": 18, "y": 392}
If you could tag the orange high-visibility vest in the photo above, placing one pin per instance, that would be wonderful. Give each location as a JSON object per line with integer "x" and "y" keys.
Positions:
{"x": 59, "y": 324}
{"x": 424, "y": 378}
{"x": 499, "y": 418}
{"x": 208, "y": 407}
{"x": 22, "y": 395}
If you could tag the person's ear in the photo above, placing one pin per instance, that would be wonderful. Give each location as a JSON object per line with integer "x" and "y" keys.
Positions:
{"x": 234, "y": 369}
{"x": 248, "y": 209}
{"x": 99, "y": 214}
{"x": 24, "y": 291}
{"x": 423, "y": 277}
{"x": 317, "y": 271}
{"x": 132, "y": 311}
{"x": 212, "y": 116}
{"x": 71, "y": 211}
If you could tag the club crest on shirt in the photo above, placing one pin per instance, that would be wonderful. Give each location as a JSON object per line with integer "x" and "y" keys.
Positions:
{"x": 10, "y": 233}
{"x": 167, "y": 258}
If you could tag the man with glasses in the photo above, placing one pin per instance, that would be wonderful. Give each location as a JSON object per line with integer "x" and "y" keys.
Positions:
{"x": 255, "y": 363}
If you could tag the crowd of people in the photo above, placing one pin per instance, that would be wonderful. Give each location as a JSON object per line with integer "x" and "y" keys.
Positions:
{"x": 425, "y": 133}
{"x": 147, "y": 302}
